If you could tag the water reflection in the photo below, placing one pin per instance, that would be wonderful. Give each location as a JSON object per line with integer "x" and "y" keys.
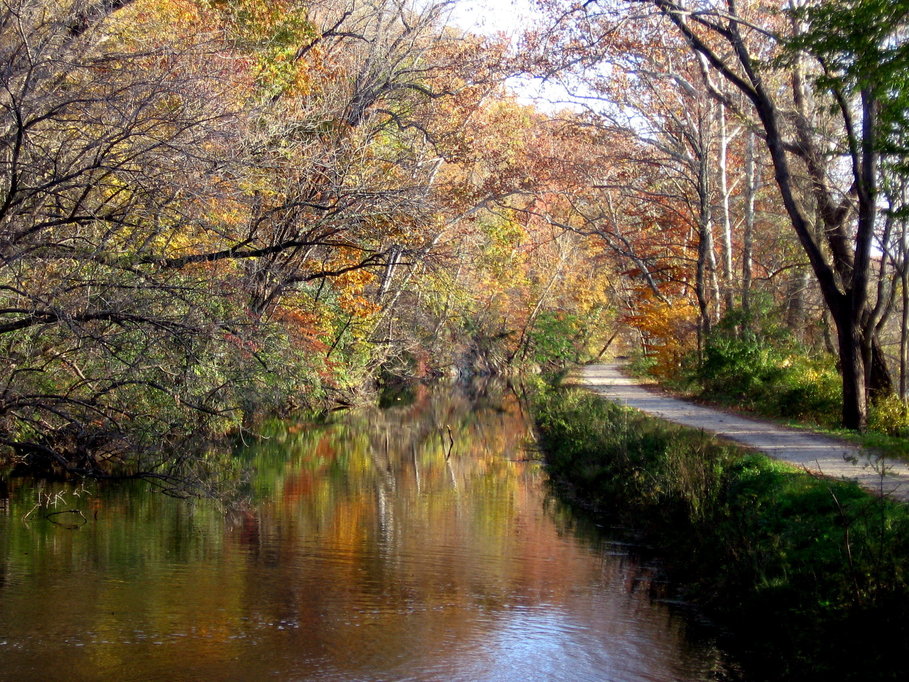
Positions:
{"x": 411, "y": 543}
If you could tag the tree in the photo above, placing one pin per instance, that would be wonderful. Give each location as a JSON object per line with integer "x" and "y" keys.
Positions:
{"x": 95, "y": 151}
{"x": 735, "y": 45}
{"x": 193, "y": 197}
{"x": 670, "y": 150}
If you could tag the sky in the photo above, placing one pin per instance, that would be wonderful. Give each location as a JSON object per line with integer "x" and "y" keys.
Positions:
{"x": 509, "y": 17}
{"x": 491, "y": 16}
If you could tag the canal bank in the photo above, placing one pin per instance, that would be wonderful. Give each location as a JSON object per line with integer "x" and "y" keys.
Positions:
{"x": 812, "y": 452}
{"x": 808, "y": 575}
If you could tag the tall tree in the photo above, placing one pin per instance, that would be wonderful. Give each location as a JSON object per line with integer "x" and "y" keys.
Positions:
{"x": 843, "y": 40}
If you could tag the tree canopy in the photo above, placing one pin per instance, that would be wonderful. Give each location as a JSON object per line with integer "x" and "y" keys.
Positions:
{"x": 210, "y": 209}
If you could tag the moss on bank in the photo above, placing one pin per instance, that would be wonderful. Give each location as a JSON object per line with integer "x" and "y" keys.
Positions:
{"x": 809, "y": 575}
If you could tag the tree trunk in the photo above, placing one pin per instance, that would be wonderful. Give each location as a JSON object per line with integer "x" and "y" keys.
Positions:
{"x": 795, "y": 313}
{"x": 841, "y": 304}
{"x": 706, "y": 267}
{"x": 751, "y": 187}
{"x": 391, "y": 263}
{"x": 852, "y": 370}
{"x": 726, "y": 234}
{"x": 700, "y": 290}
{"x": 843, "y": 278}
{"x": 904, "y": 336}
{"x": 879, "y": 381}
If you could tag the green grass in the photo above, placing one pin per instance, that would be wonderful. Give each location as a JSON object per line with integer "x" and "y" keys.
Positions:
{"x": 810, "y": 574}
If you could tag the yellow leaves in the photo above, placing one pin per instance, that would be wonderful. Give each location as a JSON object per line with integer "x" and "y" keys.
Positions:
{"x": 349, "y": 287}
{"x": 358, "y": 306}
{"x": 504, "y": 262}
{"x": 158, "y": 21}
{"x": 278, "y": 33}
{"x": 588, "y": 294}
{"x": 669, "y": 329}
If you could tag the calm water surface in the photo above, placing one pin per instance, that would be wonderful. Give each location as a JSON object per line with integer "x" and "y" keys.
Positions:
{"x": 377, "y": 547}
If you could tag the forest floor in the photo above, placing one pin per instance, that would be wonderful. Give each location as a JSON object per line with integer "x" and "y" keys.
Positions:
{"x": 818, "y": 454}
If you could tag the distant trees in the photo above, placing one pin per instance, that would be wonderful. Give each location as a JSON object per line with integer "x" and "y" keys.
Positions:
{"x": 820, "y": 84}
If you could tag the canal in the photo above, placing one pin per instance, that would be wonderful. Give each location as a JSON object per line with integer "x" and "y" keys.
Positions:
{"x": 415, "y": 542}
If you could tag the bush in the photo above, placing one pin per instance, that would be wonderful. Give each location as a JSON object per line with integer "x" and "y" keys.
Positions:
{"x": 767, "y": 371}
{"x": 738, "y": 366}
{"x": 552, "y": 339}
{"x": 890, "y": 415}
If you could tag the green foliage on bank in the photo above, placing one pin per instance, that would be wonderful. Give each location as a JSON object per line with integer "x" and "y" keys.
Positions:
{"x": 781, "y": 380}
{"x": 810, "y": 575}
{"x": 753, "y": 361}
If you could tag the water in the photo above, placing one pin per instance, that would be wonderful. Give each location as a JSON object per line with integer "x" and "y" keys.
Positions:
{"x": 413, "y": 543}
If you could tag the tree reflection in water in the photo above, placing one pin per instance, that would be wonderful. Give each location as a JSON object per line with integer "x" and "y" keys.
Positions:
{"x": 367, "y": 551}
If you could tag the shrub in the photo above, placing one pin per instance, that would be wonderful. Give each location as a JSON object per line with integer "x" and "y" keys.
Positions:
{"x": 764, "y": 369}
{"x": 890, "y": 415}
{"x": 738, "y": 366}
{"x": 552, "y": 339}
{"x": 669, "y": 330}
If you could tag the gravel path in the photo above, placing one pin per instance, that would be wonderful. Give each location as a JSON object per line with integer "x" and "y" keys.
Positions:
{"x": 816, "y": 453}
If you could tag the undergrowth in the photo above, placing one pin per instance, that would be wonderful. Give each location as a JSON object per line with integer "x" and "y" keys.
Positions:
{"x": 809, "y": 574}
{"x": 754, "y": 362}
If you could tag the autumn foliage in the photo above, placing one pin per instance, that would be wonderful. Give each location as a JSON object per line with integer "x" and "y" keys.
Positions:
{"x": 215, "y": 208}
{"x": 211, "y": 209}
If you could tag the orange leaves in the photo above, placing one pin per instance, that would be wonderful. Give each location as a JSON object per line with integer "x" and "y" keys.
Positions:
{"x": 351, "y": 287}
{"x": 306, "y": 329}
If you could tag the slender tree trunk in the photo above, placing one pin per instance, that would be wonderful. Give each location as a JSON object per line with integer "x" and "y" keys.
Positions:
{"x": 795, "y": 313}
{"x": 877, "y": 378}
{"x": 700, "y": 290}
{"x": 393, "y": 258}
{"x": 751, "y": 187}
{"x": 900, "y": 262}
{"x": 607, "y": 344}
{"x": 726, "y": 234}
{"x": 706, "y": 267}
{"x": 443, "y": 316}
{"x": 523, "y": 340}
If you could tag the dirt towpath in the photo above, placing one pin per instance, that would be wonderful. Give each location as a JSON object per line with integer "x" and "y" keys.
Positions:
{"x": 816, "y": 453}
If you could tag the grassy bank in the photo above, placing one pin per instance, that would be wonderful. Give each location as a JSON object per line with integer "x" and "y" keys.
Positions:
{"x": 808, "y": 575}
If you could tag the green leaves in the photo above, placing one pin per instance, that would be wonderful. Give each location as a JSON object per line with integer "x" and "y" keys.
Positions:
{"x": 790, "y": 562}
{"x": 862, "y": 46}
{"x": 860, "y": 42}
